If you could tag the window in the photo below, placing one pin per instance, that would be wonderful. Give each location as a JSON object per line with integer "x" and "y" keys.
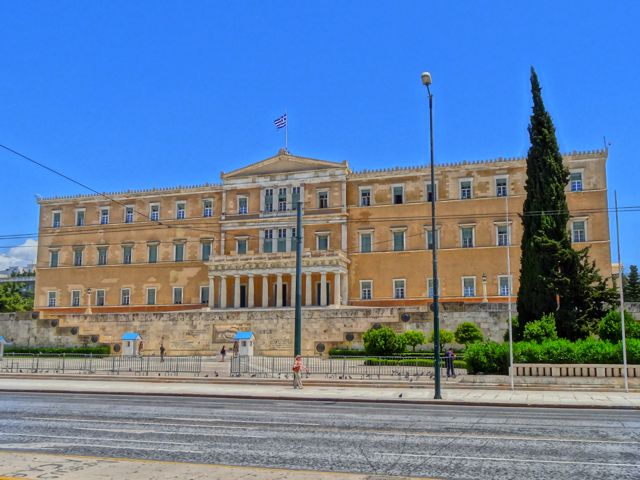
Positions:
{"x": 323, "y": 241}
{"x": 295, "y": 197}
{"x": 365, "y": 196}
{"x": 579, "y": 231}
{"x": 241, "y": 246}
{"x": 102, "y": 255}
{"x": 501, "y": 187}
{"x": 151, "y": 296}
{"x": 365, "y": 242}
{"x": 204, "y": 294}
{"x": 104, "y": 216}
{"x": 575, "y": 181}
{"x": 430, "y": 287}
{"x": 177, "y": 295}
{"x": 267, "y": 245}
{"x": 282, "y": 199}
{"x": 206, "y": 250}
{"x": 125, "y": 296}
{"x": 430, "y": 193}
{"x": 466, "y": 234}
{"x": 178, "y": 252}
{"x": 243, "y": 205}
{"x": 181, "y": 210}
{"x": 398, "y": 289}
{"x": 397, "y": 194}
{"x": 282, "y": 240}
{"x": 268, "y": 200}
{"x": 398, "y": 240}
{"x": 100, "y": 298}
{"x": 51, "y": 299}
{"x": 502, "y": 235}
{"x": 77, "y": 257}
{"x": 323, "y": 199}
{"x": 207, "y": 208}
{"x": 293, "y": 239}
{"x": 152, "y": 251}
{"x": 80, "y": 218}
{"x": 127, "y": 254}
{"x": 75, "y": 298}
{"x": 469, "y": 286}
{"x": 504, "y": 285}
{"x": 53, "y": 258}
{"x": 55, "y": 221}
{"x": 128, "y": 214}
{"x": 154, "y": 211}
{"x": 465, "y": 189}
{"x": 430, "y": 238}
{"x": 366, "y": 289}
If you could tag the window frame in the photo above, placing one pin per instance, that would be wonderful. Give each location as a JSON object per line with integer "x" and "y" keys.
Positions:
{"x": 207, "y": 211}
{"x": 182, "y": 250}
{"x": 56, "y": 214}
{"x": 153, "y": 246}
{"x": 464, "y": 292}
{"x": 128, "y": 296}
{"x": 127, "y": 260}
{"x": 203, "y": 243}
{"x": 204, "y": 299}
{"x": 497, "y": 189}
{"x": 102, "y": 260}
{"x": 104, "y": 297}
{"x": 153, "y": 214}
{"x": 83, "y": 222}
{"x": 393, "y": 196}
{"x": 52, "y": 298}
{"x": 155, "y": 295}
{"x": 363, "y": 289}
{"x": 181, "y": 209}
{"x": 244, "y": 240}
{"x": 73, "y": 299}
{"x": 585, "y": 222}
{"x": 55, "y": 251}
{"x": 129, "y": 218}
{"x": 361, "y": 191}
{"x": 101, "y": 212}
{"x": 320, "y": 196}
{"x": 571, "y": 182}
{"x": 403, "y": 288}
{"x": 173, "y": 295}
{"x": 78, "y": 260}
{"x": 498, "y": 225}
{"x": 242, "y": 210}
{"x": 268, "y": 206}
{"x": 509, "y": 285}
{"x": 429, "y": 230}
{"x": 427, "y": 192}
{"x": 460, "y": 188}
{"x": 473, "y": 235}
{"x": 361, "y": 235}
{"x": 267, "y": 240}
{"x": 326, "y": 235}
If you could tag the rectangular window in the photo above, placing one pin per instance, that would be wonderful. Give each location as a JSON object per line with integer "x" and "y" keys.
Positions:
{"x": 467, "y": 237}
{"x": 323, "y": 199}
{"x": 152, "y": 251}
{"x": 268, "y": 200}
{"x": 398, "y": 240}
{"x": 204, "y": 294}
{"x": 75, "y": 298}
{"x": 55, "y": 221}
{"x": 295, "y": 197}
{"x": 51, "y": 299}
{"x": 79, "y": 218}
{"x": 397, "y": 194}
{"x": 282, "y": 199}
{"x": 575, "y": 179}
{"x": 398, "y": 289}
{"x": 366, "y": 289}
{"x": 501, "y": 187}
{"x": 154, "y": 211}
{"x": 53, "y": 258}
{"x": 430, "y": 238}
{"x": 77, "y": 257}
{"x": 293, "y": 239}
{"x": 267, "y": 245}
{"x": 579, "y": 231}
{"x": 323, "y": 242}
{"x": 465, "y": 189}
{"x": 102, "y": 255}
{"x": 365, "y": 197}
{"x": 151, "y": 296}
{"x": 181, "y": 210}
{"x": 365, "y": 242}
{"x": 430, "y": 193}
{"x": 241, "y": 246}
{"x": 243, "y": 205}
{"x": 177, "y": 295}
{"x": 104, "y": 216}
{"x": 127, "y": 254}
{"x": 207, "y": 208}
{"x": 502, "y": 235}
{"x": 430, "y": 287}
{"x": 282, "y": 240}
{"x": 100, "y": 298}
{"x": 206, "y": 250}
{"x": 128, "y": 214}
{"x": 125, "y": 296}
{"x": 178, "y": 252}
{"x": 504, "y": 285}
{"x": 469, "y": 286}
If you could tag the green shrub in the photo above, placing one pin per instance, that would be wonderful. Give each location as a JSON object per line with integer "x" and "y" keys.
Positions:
{"x": 514, "y": 329}
{"x": 95, "y": 350}
{"x": 418, "y": 362}
{"x": 468, "y": 332}
{"x": 541, "y": 330}
{"x": 558, "y": 351}
{"x": 633, "y": 351}
{"x": 446, "y": 337}
{"x": 597, "y": 351}
{"x": 609, "y": 327}
{"x": 383, "y": 341}
{"x": 487, "y": 357}
{"x": 345, "y": 352}
{"x": 527, "y": 352}
{"x": 413, "y": 338}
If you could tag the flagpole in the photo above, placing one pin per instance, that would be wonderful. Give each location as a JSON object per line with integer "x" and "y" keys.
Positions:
{"x": 286, "y": 131}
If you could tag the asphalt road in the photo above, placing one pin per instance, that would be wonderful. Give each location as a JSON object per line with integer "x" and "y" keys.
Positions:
{"x": 432, "y": 441}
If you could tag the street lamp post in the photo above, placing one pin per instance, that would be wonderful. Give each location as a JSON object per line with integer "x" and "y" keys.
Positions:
{"x": 426, "y": 81}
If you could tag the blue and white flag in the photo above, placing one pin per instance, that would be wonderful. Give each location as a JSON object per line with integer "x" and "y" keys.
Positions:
{"x": 281, "y": 122}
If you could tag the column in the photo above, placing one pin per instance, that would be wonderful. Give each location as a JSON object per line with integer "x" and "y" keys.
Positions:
{"x": 250, "y": 292}
{"x": 265, "y": 291}
{"x": 223, "y": 292}
{"x": 344, "y": 283}
{"x": 307, "y": 293}
{"x": 236, "y": 291}
{"x": 211, "y": 296}
{"x": 279, "y": 290}
{"x": 337, "y": 291}
{"x": 293, "y": 290}
{"x": 323, "y": 289}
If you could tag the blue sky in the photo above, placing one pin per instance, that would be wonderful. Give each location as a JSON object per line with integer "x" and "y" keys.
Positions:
{"x": 125, "y": 94}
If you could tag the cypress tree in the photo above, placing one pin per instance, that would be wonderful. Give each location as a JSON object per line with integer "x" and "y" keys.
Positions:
{"x": 632, "y": 285}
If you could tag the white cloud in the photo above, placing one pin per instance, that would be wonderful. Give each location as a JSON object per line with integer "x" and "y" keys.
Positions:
{"x": 19, "y": 256}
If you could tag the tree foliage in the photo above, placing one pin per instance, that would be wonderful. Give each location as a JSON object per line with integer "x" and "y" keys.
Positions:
{"x": 446, "y": 337}
{"x": 413, "y": 338}
{"x": 12, "y": 298}
{"x": 610, "y": 329}
{"x": 632, "y": 285}
{"x": 541, "y": 330}
{"x": 468, "y": 332}
{"x": 383, "y": 341}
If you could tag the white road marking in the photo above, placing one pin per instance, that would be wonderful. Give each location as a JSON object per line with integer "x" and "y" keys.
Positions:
{"x": 49, "y": 446}
{"x": 70, "y": 437}
{"x": 132, "y": 422}
{"x": 258, "y": 422}
{"x": 161, "y": 432}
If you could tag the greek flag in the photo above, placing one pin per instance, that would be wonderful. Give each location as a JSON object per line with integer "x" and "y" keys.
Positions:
{"x": 281, "y": 122}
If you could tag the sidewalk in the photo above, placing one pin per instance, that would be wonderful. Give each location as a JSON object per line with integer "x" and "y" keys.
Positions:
{"x": 395, "y": 393}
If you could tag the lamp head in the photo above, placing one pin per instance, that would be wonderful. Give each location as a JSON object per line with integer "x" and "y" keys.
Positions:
{"x": 426, "y": 78}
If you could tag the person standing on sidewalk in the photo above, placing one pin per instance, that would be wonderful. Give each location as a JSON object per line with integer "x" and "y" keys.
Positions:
{"x": 162, "y": 350}
{"x": 448, "y": 360}
{"x": 223, "y": 352}
{"x": 298, "y": 368}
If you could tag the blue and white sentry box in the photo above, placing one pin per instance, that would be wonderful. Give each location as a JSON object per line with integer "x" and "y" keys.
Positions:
{"x": 245, "y": 341}
{"x": 3, "y": 342}
{"x": 130, "y": 343}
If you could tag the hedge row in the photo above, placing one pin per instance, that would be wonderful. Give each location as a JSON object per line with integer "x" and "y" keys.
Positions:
{"x": 418, "y": 362}
{"x": 95, "y": 350}
{"x": 493, "y": 358}
{"x": 339, "y": 352}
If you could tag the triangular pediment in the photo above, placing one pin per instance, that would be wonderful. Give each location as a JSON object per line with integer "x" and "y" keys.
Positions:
{"x": 283, "y": 162}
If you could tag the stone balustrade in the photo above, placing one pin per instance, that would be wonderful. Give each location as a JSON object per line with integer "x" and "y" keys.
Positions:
{"x": 574, "y": 370}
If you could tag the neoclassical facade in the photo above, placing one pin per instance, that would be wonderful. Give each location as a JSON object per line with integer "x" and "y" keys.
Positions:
{"x": 367, "y": 237}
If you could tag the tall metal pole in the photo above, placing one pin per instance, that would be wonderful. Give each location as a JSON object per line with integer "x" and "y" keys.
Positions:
{"x": 297, "y": 342}
{"x": 506, "y": 202}
{"x": 621, "y": 274}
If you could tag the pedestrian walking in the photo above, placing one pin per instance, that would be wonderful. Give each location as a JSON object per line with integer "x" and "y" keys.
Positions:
{"x": 162, "y": 350}
{"x": 223, "y": 352}
{"x": 448, "y": 361}
{"x": 298, "y": 368}
{"x": 140, "y": 347}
